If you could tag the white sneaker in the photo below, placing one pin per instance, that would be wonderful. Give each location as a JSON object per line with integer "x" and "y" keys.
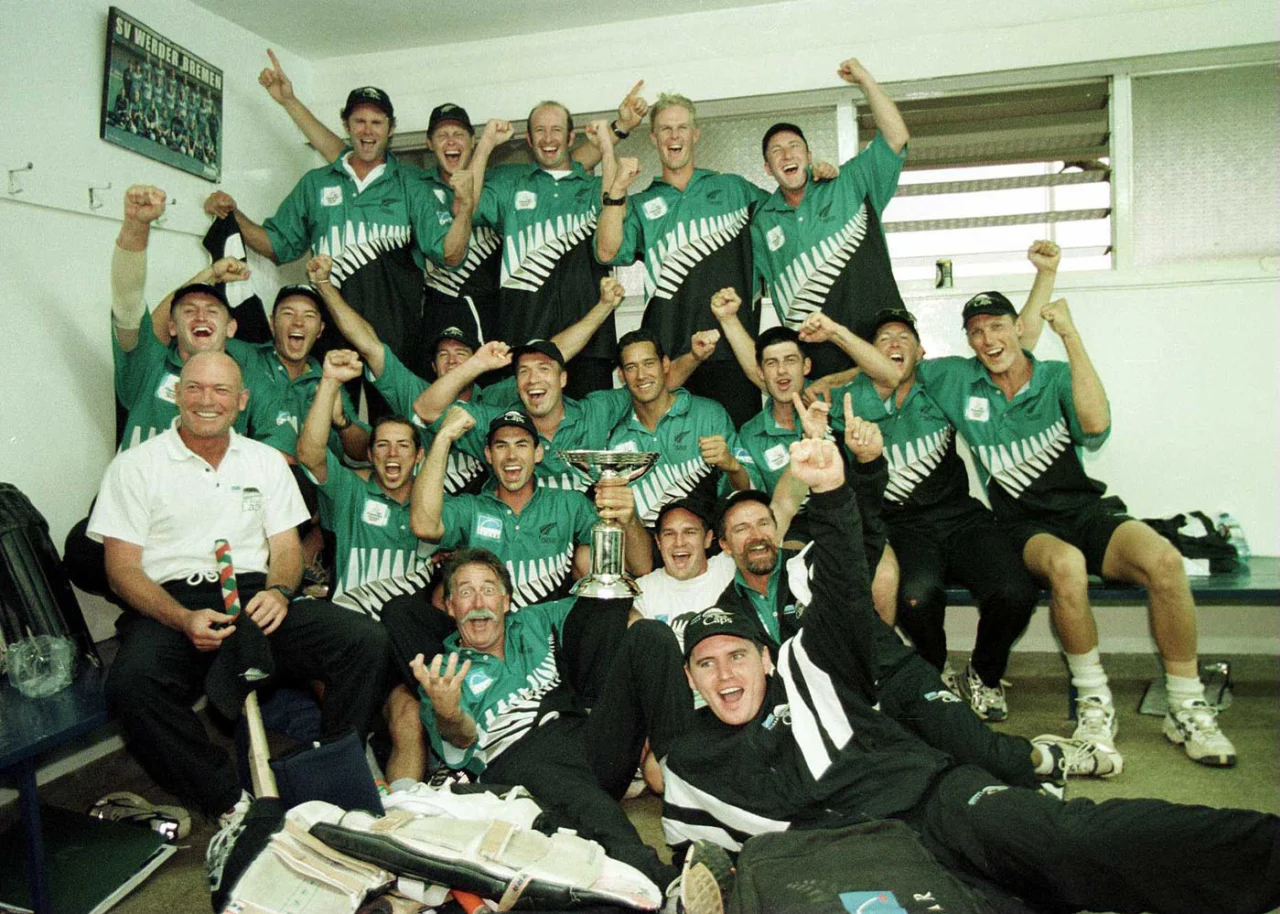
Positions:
{"x": 230, "y": 825}
{"x": 1095, "y": 721}
{"x": 706, "y": 879}
{"x": 988, "y": 703}
{"x": 173, "y": 823}
{"x": 1077, "y": 758}
{"x": 1193, "y": 725}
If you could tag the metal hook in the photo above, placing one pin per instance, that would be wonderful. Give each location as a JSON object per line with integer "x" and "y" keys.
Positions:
{"x": 13, "y": 182}
{"x": 94, "y": 202}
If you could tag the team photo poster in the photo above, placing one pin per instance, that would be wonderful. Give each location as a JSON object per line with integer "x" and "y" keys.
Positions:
{"x": 160, "y": 100}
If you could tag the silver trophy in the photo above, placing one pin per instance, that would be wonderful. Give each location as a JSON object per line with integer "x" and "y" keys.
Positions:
{"x": 608, "y": 580}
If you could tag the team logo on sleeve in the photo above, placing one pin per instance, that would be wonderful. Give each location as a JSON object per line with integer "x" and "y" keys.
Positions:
{"x": 444, "y": 217}
{"x": 978, "y": 410}
{"x": 777, "y": 457}
{"x": 655, "y": 208}
{"x": 774, "y": 238}
{"x": 489, "y": 527}
{"x": 331, "y": 196}
{"x": 526, "y": 199}
{"x": 168, "y": 389}
{"x": 478, "y": 681}
{"x": 376, "y": 513}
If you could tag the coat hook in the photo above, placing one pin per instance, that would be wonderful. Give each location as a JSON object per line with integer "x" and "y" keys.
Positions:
{"x": 13, "y": 181}
{"x": 94, "y": 202}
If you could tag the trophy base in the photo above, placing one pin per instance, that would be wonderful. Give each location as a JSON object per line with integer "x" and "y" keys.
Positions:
{"x": 606, "y": 587}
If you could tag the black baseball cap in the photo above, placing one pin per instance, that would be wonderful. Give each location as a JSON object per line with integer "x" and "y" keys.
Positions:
{"x": 987, "y": 303}
{"x": 458, "y": 335}
{"x": 716, "y": 621}
{"x": 734, "y": 499}
{"x": 545, "y": 347}
{"x": 692, "y": 505}
{"x": 368, "y": 95}
{"x": 780, "y": 127}
{"x": 441, "y": 114}
{"x": 894, "y": 316}
{"x": 512, "y": 418}
{"x": 298, "y": 288}
{"x": 202, "y": 288}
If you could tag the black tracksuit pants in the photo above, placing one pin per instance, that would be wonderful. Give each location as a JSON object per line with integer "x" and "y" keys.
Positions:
{"x": 158, "y": 674}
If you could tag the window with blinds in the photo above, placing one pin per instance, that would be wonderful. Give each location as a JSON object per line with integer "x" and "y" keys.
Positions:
{"x": 989, "y": 173}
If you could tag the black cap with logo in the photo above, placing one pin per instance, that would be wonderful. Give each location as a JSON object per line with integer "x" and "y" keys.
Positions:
{"x": 368, "y": 95}
{"x": 715, "y": 621}
{"x": 512, "y": 418}
{"x": 441, "y": 114}
{"x": 987, "y": 303}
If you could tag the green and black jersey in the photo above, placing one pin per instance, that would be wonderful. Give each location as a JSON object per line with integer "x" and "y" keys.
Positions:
{"x": 1027, "y": 447}
{"x": 536, "y": 545}
{"x": 586, "y": 425}
{"x": 829, "y": 252}
{"x": 550, "y": 278}
{"x": 400, "y": 387}
{"x": 279, "y": 423}
{"x": 506, "y": 697}
{"x": 693, "y": 243}
{"x": 680, "y": 471}
{"x": 766, "y": 447}
{"x": 377, "y": 557}
{"x": 377, "y": 236}
{"x": 925, "y": 472}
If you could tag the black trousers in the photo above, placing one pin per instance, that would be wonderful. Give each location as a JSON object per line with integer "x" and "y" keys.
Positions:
{"x": 1120, "y": 855}
{"x": 414, "y": 627}
{"x": 973, "y": 551}
{"x": 158, "y": 674}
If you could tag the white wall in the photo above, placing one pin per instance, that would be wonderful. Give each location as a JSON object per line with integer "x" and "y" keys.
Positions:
{"x": 57, "y": 411}
{"x": 783, "y": 47}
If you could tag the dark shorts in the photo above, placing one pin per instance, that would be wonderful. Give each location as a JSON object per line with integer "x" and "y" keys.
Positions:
{"x": 1089, "y": 530}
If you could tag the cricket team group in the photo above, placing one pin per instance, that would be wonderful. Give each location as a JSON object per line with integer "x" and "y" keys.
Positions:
{"x": 785, "y": 665}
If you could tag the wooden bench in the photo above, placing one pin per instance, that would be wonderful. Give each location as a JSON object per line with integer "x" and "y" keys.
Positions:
{"x": 1257, "y": 584}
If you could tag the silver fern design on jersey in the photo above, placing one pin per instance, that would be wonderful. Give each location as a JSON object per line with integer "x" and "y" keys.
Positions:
{"x": 1020, "y": 463}
{"x": 533, "y": 254}
{"x": 666, "y": 483}
{"x": 911, "y": 463}
{"x": 805, "y": 283}
{"x": 535, "y": 580}
{"x": 354, "y": 246}
{"x": 484, "y": 242}
{"x": 516, "y": 714}
{"x": 460, "y": 469}
{"x": 686, "y": 246}
{"x": 369, "y": 598}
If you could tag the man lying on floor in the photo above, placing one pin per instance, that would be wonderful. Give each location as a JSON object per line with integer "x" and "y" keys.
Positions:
{"x": 802, "y": 745}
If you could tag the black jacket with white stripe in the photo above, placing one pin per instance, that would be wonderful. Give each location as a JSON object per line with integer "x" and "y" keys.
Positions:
{"x": 818, "y": 753}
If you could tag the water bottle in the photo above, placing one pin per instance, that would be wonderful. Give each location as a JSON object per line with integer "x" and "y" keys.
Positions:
{"x": 1229, "y": 527}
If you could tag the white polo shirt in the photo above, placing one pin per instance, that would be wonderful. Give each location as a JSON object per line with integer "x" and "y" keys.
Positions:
{"x": 162, "y": 496}
{"x": 662, "y": 597}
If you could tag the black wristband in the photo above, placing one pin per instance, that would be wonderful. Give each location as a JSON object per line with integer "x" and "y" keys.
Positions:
{"x": 344, "y": 427}
{"x": 618, "y": 131}
{"x": 606, "y": 200}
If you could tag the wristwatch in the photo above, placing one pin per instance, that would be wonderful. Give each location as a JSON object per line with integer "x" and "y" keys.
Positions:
{"x": 613, "y": 201}
{"x": 289, "y": 592}
{"x": 618, "y": 131}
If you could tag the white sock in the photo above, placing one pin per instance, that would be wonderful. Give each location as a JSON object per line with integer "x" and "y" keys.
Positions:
{"x": 1088, "y": 676}
{"x": 1182, "y": 688}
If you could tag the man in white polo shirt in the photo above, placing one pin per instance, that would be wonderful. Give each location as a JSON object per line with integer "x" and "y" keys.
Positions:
{"x": 162, "y": 506}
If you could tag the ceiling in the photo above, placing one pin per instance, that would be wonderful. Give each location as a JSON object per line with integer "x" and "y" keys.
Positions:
{"x": 317, "y": 29}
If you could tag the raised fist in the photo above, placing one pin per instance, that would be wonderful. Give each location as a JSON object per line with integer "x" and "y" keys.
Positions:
{"x": 318, "y": 269}
{"x": 219, "y": 204}
{"x": 725, "y": 303}
{"x": 342, "y": 365}
{"x": 144, "y": 203}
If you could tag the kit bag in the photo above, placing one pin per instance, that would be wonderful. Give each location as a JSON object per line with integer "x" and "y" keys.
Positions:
{"x": 876, "y": 868}
{"x": 35, "y": 595}
{"x": 1197, "y": 537}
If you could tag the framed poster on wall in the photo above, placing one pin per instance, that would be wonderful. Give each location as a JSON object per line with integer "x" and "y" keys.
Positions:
{"x": 160, "y": 100}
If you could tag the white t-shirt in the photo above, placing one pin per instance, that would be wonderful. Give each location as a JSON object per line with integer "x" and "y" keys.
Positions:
{"x": 662, "y": 597}
{"x": 162, "y": 496}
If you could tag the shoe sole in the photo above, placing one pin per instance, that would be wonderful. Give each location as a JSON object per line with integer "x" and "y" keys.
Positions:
{"x": 1174, "y": 735}
{"x": 699, "y": 891}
